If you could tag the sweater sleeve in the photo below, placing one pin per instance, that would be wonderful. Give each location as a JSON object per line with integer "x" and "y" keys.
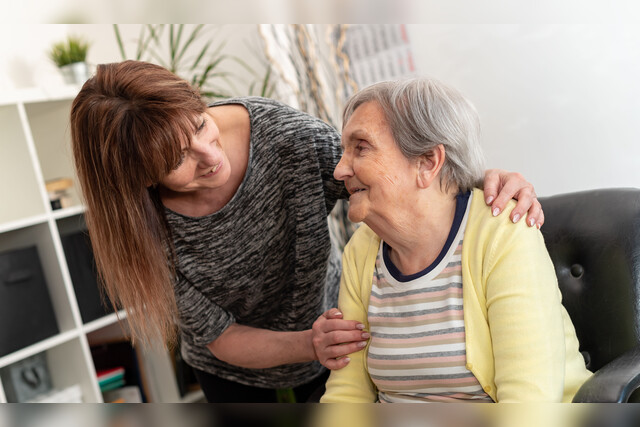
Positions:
{"x": 199, "y": 317}
{"x": 328, "y": 152}
{"x": 524, "y": 315}
{"x": 352, "y": 383}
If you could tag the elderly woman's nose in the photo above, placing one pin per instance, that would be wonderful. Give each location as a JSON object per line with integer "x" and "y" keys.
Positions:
{"x": 342, "y": 170}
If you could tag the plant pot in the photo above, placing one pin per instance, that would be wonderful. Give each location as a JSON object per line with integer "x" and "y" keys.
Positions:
{"x": 75, "y": 73}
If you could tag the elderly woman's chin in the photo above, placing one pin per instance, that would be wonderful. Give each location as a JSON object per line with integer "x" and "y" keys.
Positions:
{"x": 358, "y": 210}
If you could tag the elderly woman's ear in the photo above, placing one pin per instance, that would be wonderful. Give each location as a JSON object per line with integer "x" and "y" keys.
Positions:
{"x": 429, "y": 166}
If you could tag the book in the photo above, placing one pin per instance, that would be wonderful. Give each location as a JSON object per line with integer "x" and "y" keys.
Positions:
{"x": 128, "y": 394}
{"x": 106, "y": 375}
{"x": 112, "y": 385}
{"x": 119, "y": 355}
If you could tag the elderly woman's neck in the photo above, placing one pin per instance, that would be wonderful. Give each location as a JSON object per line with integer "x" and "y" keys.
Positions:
{"x": 416, "y": 236}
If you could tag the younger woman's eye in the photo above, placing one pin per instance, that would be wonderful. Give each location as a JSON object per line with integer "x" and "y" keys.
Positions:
{"x": 202, "y": 125}
{"x": 181, "y": 161}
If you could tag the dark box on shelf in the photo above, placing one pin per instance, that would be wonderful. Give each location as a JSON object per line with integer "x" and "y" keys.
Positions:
{"x": 26, "y": 379}
{"x": 26, "y": 313}
{"x": 82, "y": 268}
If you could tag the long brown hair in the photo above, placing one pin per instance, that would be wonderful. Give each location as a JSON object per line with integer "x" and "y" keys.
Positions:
{"x": 128, "y": 125}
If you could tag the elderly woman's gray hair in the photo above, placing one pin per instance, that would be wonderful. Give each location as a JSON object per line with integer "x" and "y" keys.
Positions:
{"x": 423, "y": 113}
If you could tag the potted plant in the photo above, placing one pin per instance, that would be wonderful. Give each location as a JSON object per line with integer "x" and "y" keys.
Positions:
{"x": 70, "y": 57}
{"x": 195, "y": 53}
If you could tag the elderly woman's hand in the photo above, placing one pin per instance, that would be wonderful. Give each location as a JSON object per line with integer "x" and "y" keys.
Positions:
{"x": 501, "y": 186}
{"x": 334, "y": 338}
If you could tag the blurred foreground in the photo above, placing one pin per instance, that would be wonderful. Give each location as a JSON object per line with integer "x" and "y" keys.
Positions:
{"x": 314, "y": 415}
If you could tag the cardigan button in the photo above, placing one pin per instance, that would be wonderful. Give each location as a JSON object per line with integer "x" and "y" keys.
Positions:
{"x": 469, "y": 366}
{"x": 487, "y": 389}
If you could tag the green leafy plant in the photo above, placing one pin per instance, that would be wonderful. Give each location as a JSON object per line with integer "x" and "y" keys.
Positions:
{"x": 70, "y": 51}
{"x": 194, "y": 53}
{"x": 267, "y": 87}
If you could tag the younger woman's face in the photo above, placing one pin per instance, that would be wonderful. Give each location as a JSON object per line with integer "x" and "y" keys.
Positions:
{"x": 203, "y": 164}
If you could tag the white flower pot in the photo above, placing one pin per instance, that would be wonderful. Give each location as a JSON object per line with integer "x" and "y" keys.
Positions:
{"x": 75, "y": 73}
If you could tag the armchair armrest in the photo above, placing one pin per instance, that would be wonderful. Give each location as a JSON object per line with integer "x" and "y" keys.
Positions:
{"x": 614, "y": 382}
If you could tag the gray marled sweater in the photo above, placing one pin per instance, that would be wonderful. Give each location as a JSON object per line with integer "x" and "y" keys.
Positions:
{"x": 265, "y": 259}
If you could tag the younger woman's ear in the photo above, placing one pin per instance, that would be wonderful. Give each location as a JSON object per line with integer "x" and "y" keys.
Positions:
{"x": 430, "y": 165}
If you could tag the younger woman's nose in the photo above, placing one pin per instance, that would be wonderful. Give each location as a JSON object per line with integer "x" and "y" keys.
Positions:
{"x": 209, "y": 154}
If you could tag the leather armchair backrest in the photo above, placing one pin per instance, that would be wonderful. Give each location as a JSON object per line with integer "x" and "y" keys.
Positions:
{"x": 593, "y": 238}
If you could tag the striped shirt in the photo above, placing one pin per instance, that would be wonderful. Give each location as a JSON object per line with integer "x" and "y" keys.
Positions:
{"x": 417, "y": 350}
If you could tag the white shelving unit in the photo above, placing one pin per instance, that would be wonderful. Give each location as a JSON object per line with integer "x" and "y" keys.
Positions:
{"x": 35, "y": 148}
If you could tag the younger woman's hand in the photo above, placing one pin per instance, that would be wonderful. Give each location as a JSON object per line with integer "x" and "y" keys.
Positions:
{"x": 501, "y": 186}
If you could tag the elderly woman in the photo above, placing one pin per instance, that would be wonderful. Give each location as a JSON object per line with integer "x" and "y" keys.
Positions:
{"x": 460, "y": 304}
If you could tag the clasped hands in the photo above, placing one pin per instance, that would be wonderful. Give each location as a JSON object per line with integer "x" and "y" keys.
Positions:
{"x": 335, "y": 338}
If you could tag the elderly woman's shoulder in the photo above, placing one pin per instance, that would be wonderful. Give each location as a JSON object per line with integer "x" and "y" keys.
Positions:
{"x": 481, "y": 216}
{"x": 363, "y": 238}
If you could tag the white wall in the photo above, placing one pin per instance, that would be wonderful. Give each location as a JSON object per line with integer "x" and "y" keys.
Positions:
{"x": 24, "y": 50}
{"x": 23, "y": 55}
{"x": 558, "y": 103}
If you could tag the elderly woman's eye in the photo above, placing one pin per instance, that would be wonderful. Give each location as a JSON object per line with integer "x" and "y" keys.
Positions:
{"x": 361, "y": 146}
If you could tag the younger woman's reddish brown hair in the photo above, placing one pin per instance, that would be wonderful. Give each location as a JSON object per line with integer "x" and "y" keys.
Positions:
{"x": 128, "y": 126}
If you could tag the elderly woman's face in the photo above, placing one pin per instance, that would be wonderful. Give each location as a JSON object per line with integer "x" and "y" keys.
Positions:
{"x": 378, "y": 176}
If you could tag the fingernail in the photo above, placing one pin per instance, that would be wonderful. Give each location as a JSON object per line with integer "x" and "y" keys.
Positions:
{"x": 489, "y": 200}
{"x": 347, "y": 359}
{"x": 360, "y": 326}
{"x": 361, "y": 344}
{"x": 496, "y": 211}
{"x": 516, "y": 218}
{"x": 531, "y": 222}
{"x": 365, "y": 335}
{"x": 337, "y": 313}
{"x": 538, "y": 225}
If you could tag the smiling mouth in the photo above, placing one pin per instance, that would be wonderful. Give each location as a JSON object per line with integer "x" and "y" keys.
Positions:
{"x": 213, "y": 170}
{"x": 356, "y": 190}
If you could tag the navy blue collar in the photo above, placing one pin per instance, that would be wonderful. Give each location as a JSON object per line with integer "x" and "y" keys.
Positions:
{"x": 462, "y": 199}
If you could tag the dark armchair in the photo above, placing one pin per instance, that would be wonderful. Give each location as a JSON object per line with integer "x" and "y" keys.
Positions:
{"x": 593, "y": 238}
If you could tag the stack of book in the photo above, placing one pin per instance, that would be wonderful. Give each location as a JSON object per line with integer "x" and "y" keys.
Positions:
{"x": 118, "y": 370}
{"x": 110, "y": 379}
{"x": 127, "y": 394}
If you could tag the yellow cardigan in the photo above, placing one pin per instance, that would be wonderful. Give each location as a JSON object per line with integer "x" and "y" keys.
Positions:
{"x": 520, "y": 342}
